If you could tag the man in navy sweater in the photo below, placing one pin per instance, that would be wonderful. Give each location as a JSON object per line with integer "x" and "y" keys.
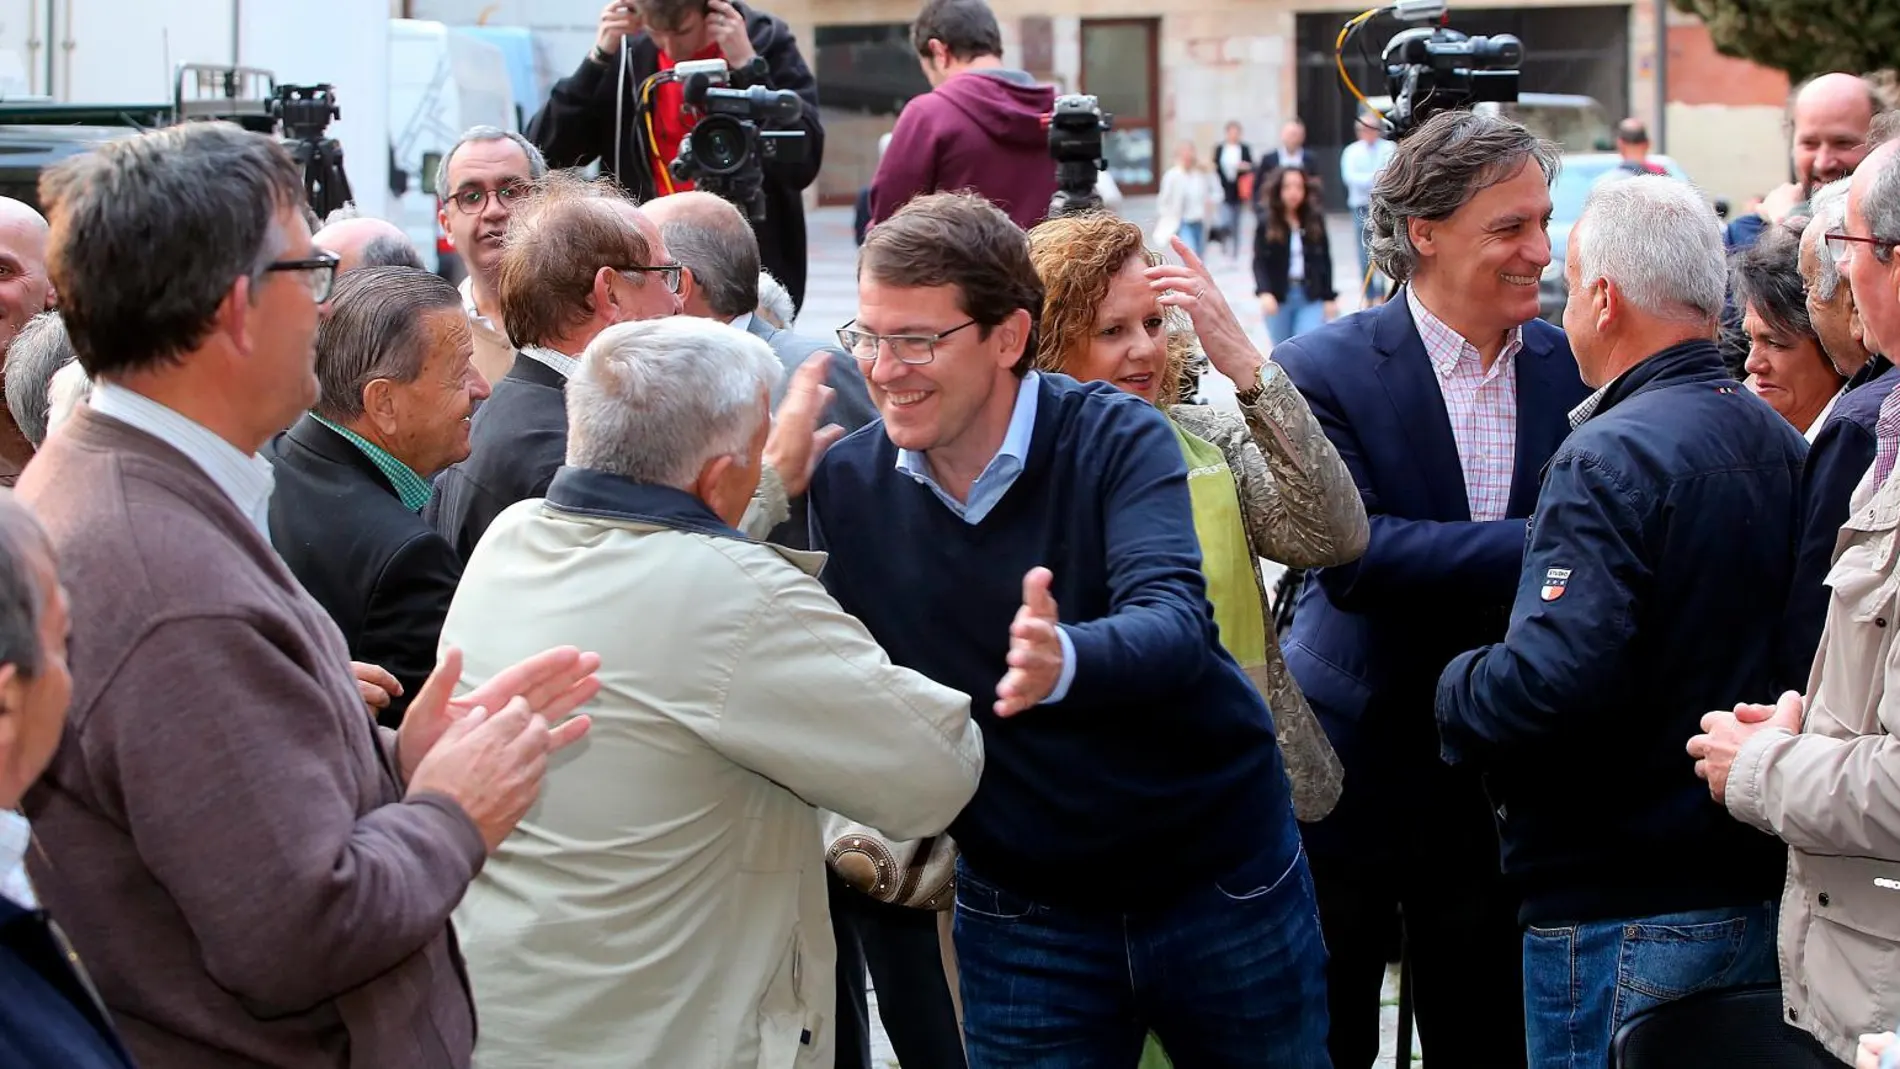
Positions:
{"x": 1130, "y": 860}
{"x": 1658, "y": 561}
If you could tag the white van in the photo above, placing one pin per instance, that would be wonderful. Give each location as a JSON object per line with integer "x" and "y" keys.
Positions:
{"x": 440, "y": 84}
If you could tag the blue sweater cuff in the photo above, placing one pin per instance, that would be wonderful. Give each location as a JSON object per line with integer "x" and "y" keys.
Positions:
{"x": 1067, "y": 677}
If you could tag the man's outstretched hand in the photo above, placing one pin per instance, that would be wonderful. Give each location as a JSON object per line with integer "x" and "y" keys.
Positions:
{"x": 1035, "y": 648}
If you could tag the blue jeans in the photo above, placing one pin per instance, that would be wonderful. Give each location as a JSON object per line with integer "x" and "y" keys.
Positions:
{"x": 1297, "y": 315}
{"x": 1582, "y": 983}
{"x": 1232, "y": 974}
{"x": 1195, "y": 234}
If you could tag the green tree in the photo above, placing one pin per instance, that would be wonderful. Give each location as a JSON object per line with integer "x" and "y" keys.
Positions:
{"x": 1804, "y": 37}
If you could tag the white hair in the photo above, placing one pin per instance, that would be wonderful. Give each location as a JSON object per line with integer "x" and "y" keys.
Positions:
{"x": 1659, "y": 242}
{"x": 775, "y": 303}
{"x": 68, "y": 390}
{"x": 655, "y": 400}
{"x": 1829, "y": 213}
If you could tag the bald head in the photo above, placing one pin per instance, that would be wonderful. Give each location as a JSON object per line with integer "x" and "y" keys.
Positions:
{"x": 365, "y": 242}
{"x": 25, "y": 290}
{"x": 1832, "y": 116}
{"x": 715, "y": 243}
{"x": 1873, "y": 270}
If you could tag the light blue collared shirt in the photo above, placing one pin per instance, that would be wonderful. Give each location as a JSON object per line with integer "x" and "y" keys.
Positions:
{"x": 16, "y": 836}
{"x": 998, "y": 476}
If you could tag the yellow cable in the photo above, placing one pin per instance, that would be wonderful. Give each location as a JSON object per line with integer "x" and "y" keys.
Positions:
{"x": 661, "y": 171}
{"x": 1339, "y": 56}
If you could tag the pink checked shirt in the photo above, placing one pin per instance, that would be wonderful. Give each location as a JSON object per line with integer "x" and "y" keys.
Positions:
{"x": 1482, "y": 406}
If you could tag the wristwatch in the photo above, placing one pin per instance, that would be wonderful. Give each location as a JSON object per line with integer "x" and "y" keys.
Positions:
{"x": 599, "y": 58}
{"x": 1252, "y": 394}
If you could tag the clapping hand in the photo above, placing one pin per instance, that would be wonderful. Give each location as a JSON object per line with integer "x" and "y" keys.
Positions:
{"x": 554, "y": 683}
{"x": 797, "y": 443}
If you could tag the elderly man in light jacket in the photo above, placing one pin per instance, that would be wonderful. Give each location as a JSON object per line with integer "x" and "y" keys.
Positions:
{"x": 1823, "y": 773}
{"x": 664, "y": 904}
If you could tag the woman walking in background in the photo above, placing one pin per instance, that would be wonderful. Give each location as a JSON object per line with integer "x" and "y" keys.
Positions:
{"x": 1292, "y": 257}
{"x": 1233, "y": 165}
{"x": 1187, "y": 199}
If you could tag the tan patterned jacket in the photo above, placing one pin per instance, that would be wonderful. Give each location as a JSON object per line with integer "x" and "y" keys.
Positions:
{"x": 1301, "y": 509}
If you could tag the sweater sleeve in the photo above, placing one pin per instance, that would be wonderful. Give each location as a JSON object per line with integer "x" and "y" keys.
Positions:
{"x": 1158, "y": 636}
{"x": 241, "y": 792}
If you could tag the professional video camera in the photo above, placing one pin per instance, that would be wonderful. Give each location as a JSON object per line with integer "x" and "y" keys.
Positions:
{"x": 1076, "y": 127}
{"x": 725, "y": 151}
{"x": 304, "y": 112}
{"x": 1434, "y": 69}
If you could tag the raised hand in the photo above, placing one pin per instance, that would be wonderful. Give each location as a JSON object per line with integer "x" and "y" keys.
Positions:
{"x": 1190, "y": 286}
{"x": 1035, "y": 650}
{"x": 797, "y": 443}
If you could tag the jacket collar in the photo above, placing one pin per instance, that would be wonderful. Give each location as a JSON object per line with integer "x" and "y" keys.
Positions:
{"x": 310, "y": 433}
{"x": 598, "y": 493}
{"x": 1690, "y": 361}
{"x": 528, "y": 369}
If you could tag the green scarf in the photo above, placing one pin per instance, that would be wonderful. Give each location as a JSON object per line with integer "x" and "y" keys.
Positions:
{"x": 1227, "y": 558}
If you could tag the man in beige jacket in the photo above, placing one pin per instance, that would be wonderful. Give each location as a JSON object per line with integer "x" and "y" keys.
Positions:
{"x": 664, "y": 904}
{"x": 1824, "y": 774}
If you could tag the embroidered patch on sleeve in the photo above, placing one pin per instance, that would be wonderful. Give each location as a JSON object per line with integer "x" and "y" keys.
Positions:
{"x": 1556, "y": 581}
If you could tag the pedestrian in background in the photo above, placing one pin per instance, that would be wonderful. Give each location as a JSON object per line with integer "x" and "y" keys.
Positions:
{"x": 1187, "y": 199}
{"x": 1292, "y": 256}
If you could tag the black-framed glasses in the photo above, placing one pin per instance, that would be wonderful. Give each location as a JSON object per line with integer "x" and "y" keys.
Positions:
{"x": 1839, "y": 241}
{"x": 319, "y": 272}
{"x": 669, "y": 274}
{"x": 470, "y": 201}
{"x": 907, "y": 348}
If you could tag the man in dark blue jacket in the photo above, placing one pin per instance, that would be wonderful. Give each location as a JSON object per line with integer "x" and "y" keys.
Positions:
{"x": 1130, "y": 861}
{"x": 1657, "y": 566}
{"x": 1444, "y": 404}
{"x": 49, "y": 1013}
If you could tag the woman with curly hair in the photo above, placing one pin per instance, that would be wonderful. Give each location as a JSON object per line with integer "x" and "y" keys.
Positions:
{"x": 1265, "y": 483}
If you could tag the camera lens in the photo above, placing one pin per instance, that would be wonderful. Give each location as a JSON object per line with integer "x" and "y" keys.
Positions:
{"x": 719, "y": 146}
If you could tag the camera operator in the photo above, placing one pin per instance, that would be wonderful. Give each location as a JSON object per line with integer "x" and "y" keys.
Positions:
{"x": 578, "y": 123}
{"x": 980, "y": 126}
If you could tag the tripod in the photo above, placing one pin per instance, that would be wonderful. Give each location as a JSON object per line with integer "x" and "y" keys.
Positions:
{"x": 325, "y": 184}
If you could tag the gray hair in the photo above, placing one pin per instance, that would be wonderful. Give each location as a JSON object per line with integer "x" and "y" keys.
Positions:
{"x": 775, "y": 302}
{"x": 1437, "y": 169}
{"x": 1658, "y": 241}
{"x": 341, "y": 215}
{"x": 1766, "y": 276}
{"x": 537, "y": 163}
{"x": 718, "y": 246}
{"x": 1829, "y": 205}
{"x": 389, "y": 250}
{"x": 24, "y": 550}
{"x": 208, "y": 193}
{"x": 655, "y": 400}
{"x": 38, "y": 351}
{"x": 1881, "y": 208}
{"x": 69, "y": 389}
{"x": 375, "y": 331}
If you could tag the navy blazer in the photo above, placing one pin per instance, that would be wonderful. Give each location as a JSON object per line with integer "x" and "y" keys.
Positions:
{"x": 1370, "y": 638}
{"x": 49, "y": 1013}
{"x": 517, "y": 442}
{"x": 381, "y": 572}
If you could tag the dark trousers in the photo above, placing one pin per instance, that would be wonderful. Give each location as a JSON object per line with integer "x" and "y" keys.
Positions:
{"x": 899, "y": 947}
{"x": 1229, "y": 976}
{"x": 1465, "y": 948}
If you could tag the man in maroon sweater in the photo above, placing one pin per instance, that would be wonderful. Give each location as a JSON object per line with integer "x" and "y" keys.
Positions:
{"x": 254, "y": 872}
{"x": 980, "y": 129}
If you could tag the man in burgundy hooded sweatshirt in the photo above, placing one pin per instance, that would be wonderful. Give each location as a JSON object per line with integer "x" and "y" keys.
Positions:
{"x": 979, "y": 128}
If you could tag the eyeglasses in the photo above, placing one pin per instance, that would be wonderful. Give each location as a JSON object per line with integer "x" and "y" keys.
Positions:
{"x": 669, "y": 274}
{"x": 1839, "y": 241}
{"x": 319, "y": 273}
{"x": 471, "y": 201}
{"x": 907, "y": 348}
